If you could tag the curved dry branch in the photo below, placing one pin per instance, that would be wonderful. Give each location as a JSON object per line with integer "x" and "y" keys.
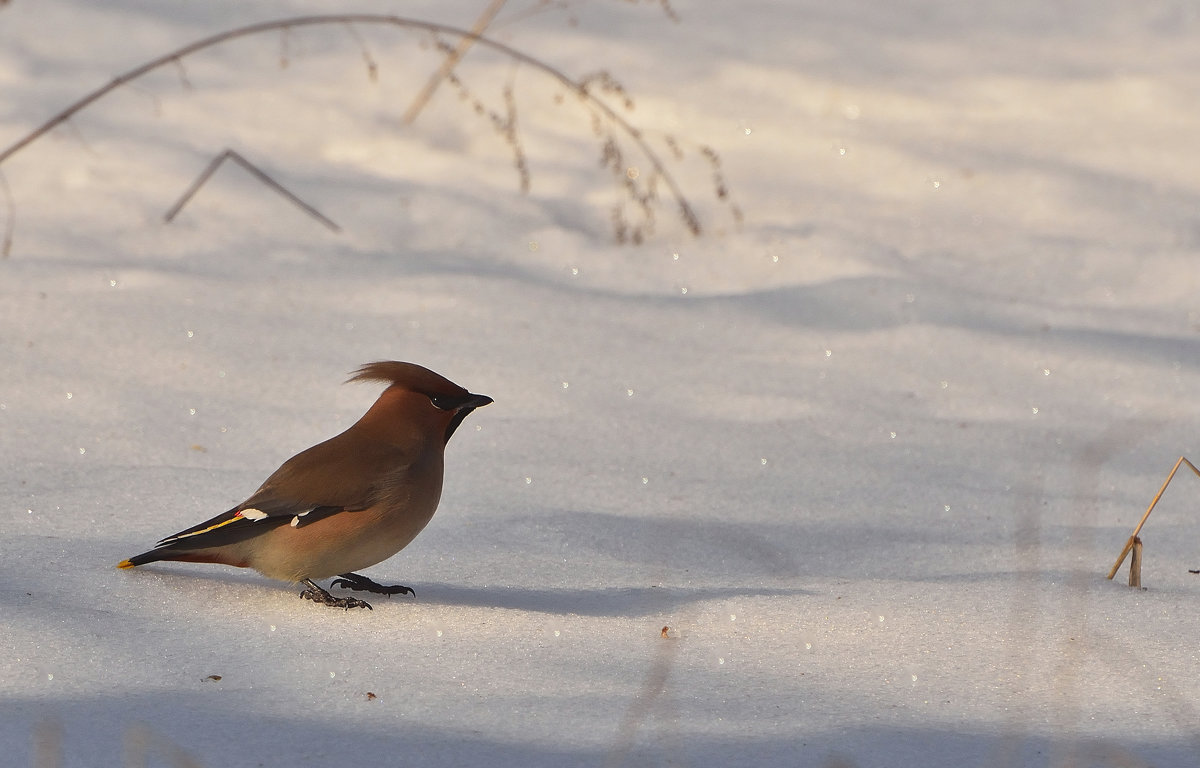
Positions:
{"x": 175, "y": 58}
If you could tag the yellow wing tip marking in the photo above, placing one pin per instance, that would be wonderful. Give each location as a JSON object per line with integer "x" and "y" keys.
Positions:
{"x": 233, "y": 519}
{"x": 124, "y": 564}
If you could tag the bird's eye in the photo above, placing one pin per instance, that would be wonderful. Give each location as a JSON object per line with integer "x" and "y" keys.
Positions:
{"x": 444, "y": 402}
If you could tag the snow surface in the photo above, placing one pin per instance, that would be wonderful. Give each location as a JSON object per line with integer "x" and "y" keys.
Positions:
{"x": 868, "y": 455}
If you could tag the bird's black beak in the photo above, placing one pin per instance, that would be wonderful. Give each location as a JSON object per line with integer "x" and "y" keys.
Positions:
{"x": 476, "y": 401}
{"x": 462, "y": 408}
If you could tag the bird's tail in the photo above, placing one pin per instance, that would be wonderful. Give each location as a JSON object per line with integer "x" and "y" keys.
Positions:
{"x": 206, "y": 542}
{"x": 142, "y": 559}
{"x": 181, "y": 555}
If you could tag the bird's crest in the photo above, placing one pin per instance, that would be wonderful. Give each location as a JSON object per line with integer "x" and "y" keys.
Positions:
{"x": 408, "y": 376}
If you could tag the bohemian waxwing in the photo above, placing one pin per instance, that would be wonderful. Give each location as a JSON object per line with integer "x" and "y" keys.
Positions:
{"x": 344, "y": 504}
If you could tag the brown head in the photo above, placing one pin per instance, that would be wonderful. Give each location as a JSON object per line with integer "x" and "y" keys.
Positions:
{"x": 416, "y": 397}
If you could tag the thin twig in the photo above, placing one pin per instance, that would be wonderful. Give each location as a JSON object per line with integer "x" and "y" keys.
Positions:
{"x": 451, "y": 61}
{"x": 368, "y": 59}
{"x": 230, "y": 154}
{"x": 1138, "y": 528}
{"x": 183, "y": 77}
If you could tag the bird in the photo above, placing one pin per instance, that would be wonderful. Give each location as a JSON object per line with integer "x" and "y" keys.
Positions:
{"x": 345, "y": 504}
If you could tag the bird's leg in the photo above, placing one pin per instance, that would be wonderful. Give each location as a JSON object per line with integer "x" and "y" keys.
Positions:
{"x": 318, "y": 595}
{"x": 363, "y": 584}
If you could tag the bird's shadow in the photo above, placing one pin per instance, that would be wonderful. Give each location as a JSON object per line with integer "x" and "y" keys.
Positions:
{"x": 591, "y": 601}
{"x": 578, "y": 601}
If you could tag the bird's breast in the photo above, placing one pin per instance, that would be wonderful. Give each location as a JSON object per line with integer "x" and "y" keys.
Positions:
{"x": 353, "y": 539}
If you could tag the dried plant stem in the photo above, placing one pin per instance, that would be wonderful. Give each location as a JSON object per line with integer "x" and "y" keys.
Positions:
{"x": 254, "y": 170}
{"x": 1133, "y": 537}
{"x": 451, "y": 61}
{"x": 368, "y": 59}
{"x": 1135, "y": 564}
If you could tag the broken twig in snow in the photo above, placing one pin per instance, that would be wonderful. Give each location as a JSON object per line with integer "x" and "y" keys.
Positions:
{"x": 1134, "y": 542}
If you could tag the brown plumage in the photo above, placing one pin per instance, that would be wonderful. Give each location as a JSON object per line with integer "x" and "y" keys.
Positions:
{"x": 344, "y": 504}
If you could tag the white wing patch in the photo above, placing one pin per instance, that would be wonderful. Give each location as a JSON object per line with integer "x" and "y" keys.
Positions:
{"x": 296, "y": 519}
{"x": 253, "y": 514}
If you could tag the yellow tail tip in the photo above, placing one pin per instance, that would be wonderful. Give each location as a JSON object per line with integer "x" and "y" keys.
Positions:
{"x": 125, "y": 564}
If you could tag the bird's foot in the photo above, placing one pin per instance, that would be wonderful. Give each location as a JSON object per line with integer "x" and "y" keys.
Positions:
{"x": 363, "y": 584}
{"x": 318, "y": 595}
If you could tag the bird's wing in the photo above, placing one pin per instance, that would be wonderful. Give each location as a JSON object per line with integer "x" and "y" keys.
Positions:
{"x": 340, "y": 472}
{"x": 311, "y": 485}
{"x": 240, "y": 523}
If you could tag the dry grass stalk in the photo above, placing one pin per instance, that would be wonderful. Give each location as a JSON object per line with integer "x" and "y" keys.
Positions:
{"x": 1135, "y": 564}
{"x": 1133, "y": 537}
{"x": 451, "y": 61}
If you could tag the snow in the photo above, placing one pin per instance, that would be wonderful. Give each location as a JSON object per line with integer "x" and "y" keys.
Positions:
{"x": 867, "y": 454}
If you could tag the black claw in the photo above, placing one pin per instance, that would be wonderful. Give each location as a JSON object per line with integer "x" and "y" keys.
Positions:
{"x": 361, "y": 583}
{"x": 318, "y": 595}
